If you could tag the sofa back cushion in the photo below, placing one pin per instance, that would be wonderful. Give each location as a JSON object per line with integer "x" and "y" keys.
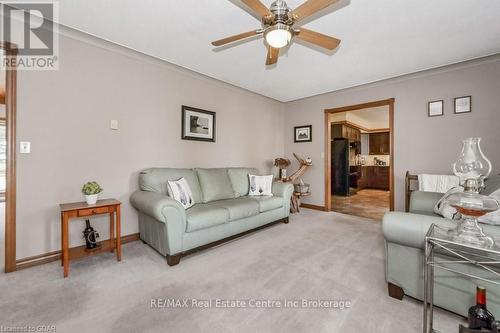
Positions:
{"x": 492, "y": 189}
{"x": 215, "y": 184}
{"x": 156, "y": 180}
{"x": 423, "y": 202}
{"x": 239, "y": 180}
{"x": 492, "y": 185}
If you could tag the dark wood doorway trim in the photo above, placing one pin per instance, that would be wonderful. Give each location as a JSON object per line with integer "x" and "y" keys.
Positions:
{"x": 328, "y": 135}
{"x": 10, "y": 195}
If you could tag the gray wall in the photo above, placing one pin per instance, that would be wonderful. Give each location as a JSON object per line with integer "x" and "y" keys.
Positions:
{"x": 66, "y": 113}
{"x": 422, "y": 144}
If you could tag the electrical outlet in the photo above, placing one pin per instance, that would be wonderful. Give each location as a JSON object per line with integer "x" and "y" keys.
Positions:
{"x": 25, "y": 147}
{"x": 113, "y": 124}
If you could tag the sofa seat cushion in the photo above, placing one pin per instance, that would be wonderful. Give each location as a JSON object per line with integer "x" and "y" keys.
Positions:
{"x": 268, "y": 203}
{"x": 215, "y": 184}
{"x": 202, "y": 216}
{"x": 238, "y": 208}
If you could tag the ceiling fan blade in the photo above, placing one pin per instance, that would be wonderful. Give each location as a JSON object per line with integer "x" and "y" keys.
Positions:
{"x": 234, "y": 38}
{"x": 257, "y": 7}
{"x": 272, "y": 55}
{"x": 310, "y": 7}
{"x": 316, "y": 38}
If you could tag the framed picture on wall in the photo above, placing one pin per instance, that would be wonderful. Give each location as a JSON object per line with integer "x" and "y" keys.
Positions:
{"x": 463, "y": 104}
{"x": 302, "y": 133}
{"x": 198, "y": 124}
{"x": 435, "y": 108}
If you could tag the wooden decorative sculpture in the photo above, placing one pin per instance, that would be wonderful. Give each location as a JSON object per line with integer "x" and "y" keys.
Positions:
{"x": 304, "y": 164}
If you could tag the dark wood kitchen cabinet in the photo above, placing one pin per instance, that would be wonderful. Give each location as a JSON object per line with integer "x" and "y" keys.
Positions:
{"x": 375, "y": 177}
{"x": 380, "y": 143}
{"x": 372, "y": 176}
{"x": 363, "y": 179}
{"x": 341, "y": 131}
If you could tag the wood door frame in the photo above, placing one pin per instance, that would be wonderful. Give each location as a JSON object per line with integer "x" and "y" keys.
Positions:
{"x": 3, "y": 120}
{"x": 10, "y": 195}
{"x": 328, "y": 135}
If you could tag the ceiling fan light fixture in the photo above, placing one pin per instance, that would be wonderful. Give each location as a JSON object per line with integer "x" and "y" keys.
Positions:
{"x": 278, "y": 35}
{"x": 278, "y": 21}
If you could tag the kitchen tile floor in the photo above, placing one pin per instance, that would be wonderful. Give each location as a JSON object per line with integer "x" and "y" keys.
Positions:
{"x": 368, "y": 203}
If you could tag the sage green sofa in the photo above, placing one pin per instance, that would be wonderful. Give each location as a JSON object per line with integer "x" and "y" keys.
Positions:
{"x": 222, "y": 208}
{"x": 405, "y": 234}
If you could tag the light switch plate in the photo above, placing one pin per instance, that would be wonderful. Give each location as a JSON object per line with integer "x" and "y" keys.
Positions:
{"x": 113, "y": 124}
{"x": 25, "y": 147}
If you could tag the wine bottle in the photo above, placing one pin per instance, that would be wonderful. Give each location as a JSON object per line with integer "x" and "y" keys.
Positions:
{"x": 479, "y": 316}
{"x": 90, "y": 235}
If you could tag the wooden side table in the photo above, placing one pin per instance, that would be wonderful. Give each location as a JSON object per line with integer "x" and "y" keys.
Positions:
{"x": 295, "y": 206}
{"x": 82, "y": 209}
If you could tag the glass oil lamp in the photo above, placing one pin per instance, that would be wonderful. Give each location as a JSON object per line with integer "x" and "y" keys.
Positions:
{"x": 472, "y": 205}
{"x": 472, "y": 167}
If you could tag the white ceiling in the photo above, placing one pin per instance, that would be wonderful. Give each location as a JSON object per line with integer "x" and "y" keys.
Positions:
{"x": 370, "y": 118}
{"x": 380, "y": 39}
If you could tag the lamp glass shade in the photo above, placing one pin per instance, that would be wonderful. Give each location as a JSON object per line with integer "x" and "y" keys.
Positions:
{"x": 278, "y": 38}
{"x": 471, "y": 163}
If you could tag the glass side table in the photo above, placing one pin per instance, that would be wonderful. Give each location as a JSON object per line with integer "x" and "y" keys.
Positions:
{"x": 458, "y": 256}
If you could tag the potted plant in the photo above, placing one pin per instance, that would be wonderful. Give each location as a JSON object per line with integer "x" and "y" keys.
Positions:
{"x": 91, "y": 191}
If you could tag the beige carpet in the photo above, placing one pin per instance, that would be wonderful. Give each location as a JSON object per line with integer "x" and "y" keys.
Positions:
{"x": 317, "y": 256}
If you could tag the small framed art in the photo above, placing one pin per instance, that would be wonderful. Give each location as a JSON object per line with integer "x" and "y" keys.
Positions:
{"x": 302, "y": 133}
{"x": 463, "y": 104}
{"x": 435, "y": 108}
{"x": 198, "y": 124}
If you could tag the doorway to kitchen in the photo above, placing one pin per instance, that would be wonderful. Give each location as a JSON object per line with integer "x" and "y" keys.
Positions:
{"x": 359, "y": 154}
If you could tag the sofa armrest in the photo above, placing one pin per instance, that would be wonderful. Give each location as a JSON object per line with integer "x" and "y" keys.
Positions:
{"x": 410, "y": 229}
{"x": 160, "y": 207}
{"x": 283, "y": 190}
{"x": 421, "y": 201}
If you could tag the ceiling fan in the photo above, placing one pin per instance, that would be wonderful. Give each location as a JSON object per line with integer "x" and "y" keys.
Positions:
{"x": 278, "y": 26}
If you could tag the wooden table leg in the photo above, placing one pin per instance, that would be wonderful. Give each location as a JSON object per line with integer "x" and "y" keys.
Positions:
{"x": 118, "y": 235}
{"x": 65, "y": 245}
{"x": 294, "y": 204}
{"x": 112, "y": 229}
{"x": 62, "y": 245}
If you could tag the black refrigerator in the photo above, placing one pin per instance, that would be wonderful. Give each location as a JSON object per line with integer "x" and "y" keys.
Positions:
{"x": 340, "y": 167}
